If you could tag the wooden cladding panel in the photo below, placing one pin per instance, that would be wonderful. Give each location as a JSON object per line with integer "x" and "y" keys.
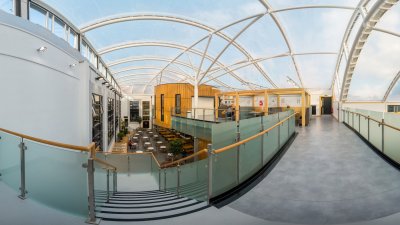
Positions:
{"x": 170, "y": 90}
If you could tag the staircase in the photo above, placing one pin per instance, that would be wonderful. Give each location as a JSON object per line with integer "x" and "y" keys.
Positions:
{"x": 144, "y": 205}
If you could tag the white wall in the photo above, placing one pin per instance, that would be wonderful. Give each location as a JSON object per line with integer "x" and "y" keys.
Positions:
{"x": 315, "y": 96}
{"x": 139, "y": 98}
{"x": 41, "y": 95}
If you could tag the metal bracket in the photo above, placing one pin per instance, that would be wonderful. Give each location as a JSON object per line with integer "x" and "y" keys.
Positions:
{"x": 22, "y": 145}
{"x": 84, "y": 165}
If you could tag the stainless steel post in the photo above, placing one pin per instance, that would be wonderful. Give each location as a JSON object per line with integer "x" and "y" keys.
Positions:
{"x": 108, "y": 185}
{"x": 383, "y": 135}
{"x": 262, "y": 142}
{"x": 159, "y": 179}
{"x": 196, "y": 147}
{"x": 178, "y": 181}
{"x": 165, "y": 180}
{"x": 238, "y": 156}
{"x": 368, "y": 128}
{"x": 91, "y": 200}
{"x": 115, "y": 181}
{"x": 279, "y": 136}
{"x": 359, "y": 122}
{"x": 129, "y": 161}
{"x": 22, "y": 188}
{"x": 210, "y": 178}
{"x": 204, "y": 114}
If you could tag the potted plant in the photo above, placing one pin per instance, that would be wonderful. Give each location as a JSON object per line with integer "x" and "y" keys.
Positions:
{"x": 176, "y": 147}
{"x": 139, "y": 120}
{"x": 120, "y": 136}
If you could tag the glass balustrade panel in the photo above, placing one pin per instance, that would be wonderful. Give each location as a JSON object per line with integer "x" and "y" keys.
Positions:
{"x": 56, "y": 177}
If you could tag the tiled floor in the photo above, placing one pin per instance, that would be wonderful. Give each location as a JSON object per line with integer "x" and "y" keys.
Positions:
{"x": 328, "y": 176}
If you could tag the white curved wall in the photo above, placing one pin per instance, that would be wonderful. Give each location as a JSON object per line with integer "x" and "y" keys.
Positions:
{"x": 40, "y": 93}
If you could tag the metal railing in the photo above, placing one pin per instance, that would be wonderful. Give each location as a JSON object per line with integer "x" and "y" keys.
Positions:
{"x": 91, "y": 160}
{"x": 211, "y": 154}
{"x": 381, "y": 123}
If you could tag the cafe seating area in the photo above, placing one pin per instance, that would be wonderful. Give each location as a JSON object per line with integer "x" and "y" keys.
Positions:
{"x": 158, "y": 141}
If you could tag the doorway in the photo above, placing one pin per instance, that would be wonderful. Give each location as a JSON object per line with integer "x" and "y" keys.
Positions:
{"x": 326, "y": 105}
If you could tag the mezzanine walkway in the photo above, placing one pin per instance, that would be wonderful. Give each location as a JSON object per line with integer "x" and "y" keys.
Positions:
{"x": 328, "y": 176}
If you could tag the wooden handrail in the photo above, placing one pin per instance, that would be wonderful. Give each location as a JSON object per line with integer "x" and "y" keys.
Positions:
{"x": 379, "y": 122}
{"x": 52, "y": 143}
{"x": 226, "y": 148}
{"x": 184, "y": 159}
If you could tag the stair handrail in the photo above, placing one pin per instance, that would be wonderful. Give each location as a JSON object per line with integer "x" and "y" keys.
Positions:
{"x": 52, "y": 143}
{"x": 226, "y": 148}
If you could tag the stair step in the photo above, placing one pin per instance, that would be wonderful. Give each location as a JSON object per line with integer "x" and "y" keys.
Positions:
{"x": 148, "y": 210}
{"x": 136, "y": 206}
{"x": 116, "y": 197}
{"x": 148, "y": 203}
{"x": 138, "y": 201}
{"x": 153, "y": 215}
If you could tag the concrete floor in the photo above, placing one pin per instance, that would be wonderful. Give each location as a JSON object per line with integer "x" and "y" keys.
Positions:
{"x": 328, "y": 176}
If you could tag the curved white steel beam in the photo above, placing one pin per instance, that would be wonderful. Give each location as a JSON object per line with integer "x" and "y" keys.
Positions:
{"x": 343, "y": 51}
{"x": 391, "y": 86}
{"x": 229, "y": 44}
{"x": 247, "y": 63}
{"x": 313, "y": 7}
{"x": 135, "y": 76}
{"x": 386, "y": 31}
{"x": 167, "y": 45}
{"x": 146, "y": 58}
{"x": 152, "y": 58}
{"x": 116, "y": 72}
{"x": 370, "y": 20}
{"x": 285, "y": 38}
{"x": 207, "y": 36}
{"x": 177, "y": 19}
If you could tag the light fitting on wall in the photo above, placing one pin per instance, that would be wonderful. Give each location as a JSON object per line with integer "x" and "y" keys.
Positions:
{"x": 41, "y": 49}
{"x": 104, "y": 82}
{"x": 99, "y": 78}
{"x": 72, "y": 65}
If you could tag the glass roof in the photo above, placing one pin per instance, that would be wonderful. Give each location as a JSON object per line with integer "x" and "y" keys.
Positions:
{"x": 242, "y": 44}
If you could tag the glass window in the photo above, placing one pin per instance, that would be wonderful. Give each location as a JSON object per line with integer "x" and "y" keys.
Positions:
{"x": 84, "y": 49}
{"x": 393, "y": 108}
{"x": 134, "y": 110}
{"x": 97, "y": 118}
{"x": 7, "y": 6}
{"x": 50, "y": 22}
{"x": 177, "y": 104}
{"x": 72, "y": 38}
{"x": 37, "y": 15}
{"x": 162, "y": 107}
{"x": 59, "y": 27}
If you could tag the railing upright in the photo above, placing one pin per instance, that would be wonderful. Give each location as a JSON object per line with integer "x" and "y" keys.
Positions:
{"x": 210, "y": 178}
{"x": 91, "y": 200}
{"x": 22, "y": 188}
{"x": 115, "y": 181}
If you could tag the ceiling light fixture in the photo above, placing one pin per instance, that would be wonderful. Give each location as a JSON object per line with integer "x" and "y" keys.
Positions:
{"x": 72, "y": 65}
{"x": 41, "y": 49}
